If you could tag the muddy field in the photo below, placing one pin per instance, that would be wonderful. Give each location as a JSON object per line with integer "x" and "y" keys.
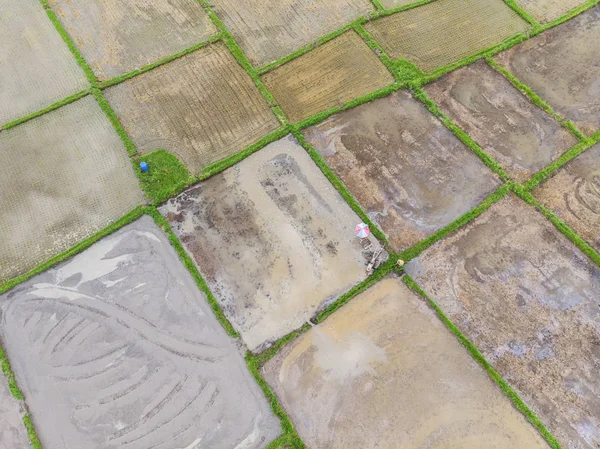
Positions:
{"x": 440, "y": 32}
{"x": 36, "y": 66}
{"x": 202, "y": 108}
{"x": 528, "y": 299}
{"x": 562, "y": 65}
{"x": 511, "y": 129}
{"x": 573, "y": 193}
{"x": 118, "y": 348}
{"x": 116, "y": 37}
{"x": 408, "y": 171}
{"x": 383, "y": 372}
{"x": 64, "y": 176}
{"x": 329, "y": 76}
{"x": 267, "y": 31}
{"x": 548, "y": 10}
{"x": 273, "y": 239}
{"x": 13, "y": 434}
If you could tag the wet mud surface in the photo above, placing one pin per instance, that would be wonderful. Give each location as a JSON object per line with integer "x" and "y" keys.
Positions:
{"x": 383, "y": 372}
{"x": 117, "y": 348}
{"x": 13, "y": 434}
{"x": 408, "y": 171}
{"x": 511, "y": 129}
{"x": 273, "y": 239}
{"x": 528, "y": 299}
{"x": 562, "y": 66}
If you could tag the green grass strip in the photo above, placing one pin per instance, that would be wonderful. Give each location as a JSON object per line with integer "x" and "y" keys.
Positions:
{"x": 307, "y": 48}
{"x": 374, "y": 45}
{"x": 558, "y": 223}
{"x": 166, "y": 175}
{"x": 478, "y": 356}
{"x": 84, "y": 244}
{"x": 574, "y": 12}
{"x": 320, "y": 116}
{"x": 570, "y": 126}
{"x": 50, "y": 108}
{"x": 378, "y": 6}
{"x": 223, "y": 164}
{"x": 339, "y": 185}
{"x": 162, "y": 223}
{"x": 31, "y": 433}
{"x": 112, "y": 116}
{"x": 462, "y": 136}
{"x": 522, "y": 13}
{"x": 147, "y": 68}
{"x": 417, "y": 249}
{"x": 89, "y": 73}
{"x": 7, "y": 370}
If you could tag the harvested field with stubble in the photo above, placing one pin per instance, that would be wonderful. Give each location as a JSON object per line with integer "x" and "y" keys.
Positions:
{"x": 547, "y": 10}
{"x": 528, "y": 299}
{"x": 573, "y": 194}
{"x": 440, "y": 32}
{"x": 563, "y": 67}
{"x": 63, "y": 177}
{"x": 268, "y": 30}
{"x": 507, "y": 125}
{"x": 117, "y": 348}
{"x": 202, "y": 107}
{"x": 116, "y": 37}
{"x": 329, "y": 76}
{"x": 274, "y": 240}
{"x": 36, "y": 67}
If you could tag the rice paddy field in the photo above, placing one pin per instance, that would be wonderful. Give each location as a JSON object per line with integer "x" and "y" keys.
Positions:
{"x": 181, "y": 188}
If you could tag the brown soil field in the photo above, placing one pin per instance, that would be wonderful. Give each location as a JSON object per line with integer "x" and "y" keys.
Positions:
{"x": 383, "y": 372}
{"x": 36, "y": 66}
{"x": 440, "y": 32}
{"x": 511, "y": 129}
{"x": 528, "y": 299}
{"x": 329, "y": 76}
{"x": 408, "y": 171}
{"x": 116, "y": 37}
{"x": 267, "y": 30}
{"x": 548, "y": 10}
{"x": 202, "y": 108}
{"x": 573, "y": 193}
{"x": 64, "y": 176}
{"x": 562, "y": 66}
{"x": 273, "y": 239}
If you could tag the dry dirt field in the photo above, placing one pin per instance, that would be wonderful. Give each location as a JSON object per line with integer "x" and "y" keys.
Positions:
{"x": 409, "y": 172}
{"x": 117, "y": 348}
{"x": 528, "y": 299}
{"x": 36, "y": 67}
{"x": 329, "y": 76}
{"x": 202, "y": 108}
{"x": 116, "y": 37}
{"x": 563, "y": 68}
{"x": 518, "y": 134}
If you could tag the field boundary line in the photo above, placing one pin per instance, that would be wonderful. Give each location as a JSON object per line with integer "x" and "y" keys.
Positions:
{"x": 567, "y": 16}
{"x": 523, "y": 14}
{"x": 512, "y": 395}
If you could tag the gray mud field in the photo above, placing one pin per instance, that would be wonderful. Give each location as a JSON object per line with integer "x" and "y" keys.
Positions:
{"x": 13, "y": 434}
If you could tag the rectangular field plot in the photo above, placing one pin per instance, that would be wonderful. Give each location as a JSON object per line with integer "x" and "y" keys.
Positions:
{"x": 528, "y": 299}
{"x": 64, "y": 176}
{"x": 267, "y": 30}
{"x": 117, "y": 348}
{"x": 408, "y": 171}
{"x": 507, "y": 125}
{"x": 445, "y": 31}
{"x": 548, "y": 10}
{"x": 116, "y": 37}
{"x": 273, "y": 239}
{"x": 36, "y": 66}
{"x": 573, "y": 193}
{"x": 13, "y": 434}
{"x": 202, "y": 108}
{"x": 383, "y": 372}
{"x": 329, "y": 76}
{"x": 562, "y": 65}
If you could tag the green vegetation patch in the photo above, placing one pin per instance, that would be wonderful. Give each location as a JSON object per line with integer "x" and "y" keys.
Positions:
{"x": 166, "y": 175}
{"x": 7, "y": 370}
{"x": 33, "y": 438}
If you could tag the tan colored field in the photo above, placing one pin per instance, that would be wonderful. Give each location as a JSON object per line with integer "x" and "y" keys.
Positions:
{"x": 329, "y": 76}
{"x": 268, "y": 30}
{"x": 573, "y": 193}
{"x": 390, "y": 4}
{"x": 507, "y": 125}
{"x": 548, "y": 10}
{"x": 116, "y": 37}
{"x": 202, "y": 108}
{"x": 441, "y": 32}
{"x": 384, "y": 373}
